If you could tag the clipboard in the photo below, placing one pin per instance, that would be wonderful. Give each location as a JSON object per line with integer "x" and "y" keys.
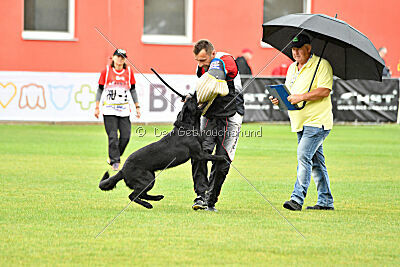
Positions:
{"x": 281, "y": 93}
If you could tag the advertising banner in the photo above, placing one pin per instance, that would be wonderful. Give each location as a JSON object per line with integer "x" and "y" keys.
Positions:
{"x": 365, "y": 101}
{"x": 61, "y": 97}
{"x": 257, "y": 105}
{"x": 70, "y": 97}
{"x": 353, "y": 100}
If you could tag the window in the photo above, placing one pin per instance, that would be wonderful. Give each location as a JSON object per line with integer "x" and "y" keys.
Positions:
{"x": 168, "y": 21}
{"x": 277, "y": 8}
{"x": 49, "y": 20}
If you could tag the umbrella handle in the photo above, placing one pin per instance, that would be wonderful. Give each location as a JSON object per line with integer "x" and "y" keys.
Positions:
{"x": 304, "y": 104}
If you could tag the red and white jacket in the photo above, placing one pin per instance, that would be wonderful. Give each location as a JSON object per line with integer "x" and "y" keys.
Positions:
{"x": 116, "y": 95}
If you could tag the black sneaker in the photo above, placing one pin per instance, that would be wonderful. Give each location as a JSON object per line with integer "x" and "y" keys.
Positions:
{"x": 212, "y": 209}
{"x": 199, "y": 204}
{"x": 318, "y": 207}
{"x": 292, "y": 205}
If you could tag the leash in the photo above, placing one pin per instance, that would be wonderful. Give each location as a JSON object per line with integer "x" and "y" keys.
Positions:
{"x": 164, "y": 82}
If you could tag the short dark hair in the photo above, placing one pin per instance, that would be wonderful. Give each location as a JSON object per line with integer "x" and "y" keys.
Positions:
{"x": 203, "y": 44}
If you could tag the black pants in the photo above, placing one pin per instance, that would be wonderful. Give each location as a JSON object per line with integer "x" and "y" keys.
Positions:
{"x": 116, "y": 146}
{"x": 214, "y": 135}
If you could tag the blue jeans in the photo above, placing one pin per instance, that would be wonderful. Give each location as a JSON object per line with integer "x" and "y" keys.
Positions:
{"x": 310, "y": 159}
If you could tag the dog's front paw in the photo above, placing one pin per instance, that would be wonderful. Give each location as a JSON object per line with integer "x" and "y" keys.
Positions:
{"x": 223, "y": 158}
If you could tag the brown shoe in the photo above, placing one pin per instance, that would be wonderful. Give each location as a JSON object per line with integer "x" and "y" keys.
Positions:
{"x": 292, "y": 205}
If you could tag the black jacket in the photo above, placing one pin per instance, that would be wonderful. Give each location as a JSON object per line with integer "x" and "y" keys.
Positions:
{"x": 244, "y": 68}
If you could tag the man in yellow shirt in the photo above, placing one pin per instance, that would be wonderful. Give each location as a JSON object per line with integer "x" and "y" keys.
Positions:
{"x": 312, "y": 123}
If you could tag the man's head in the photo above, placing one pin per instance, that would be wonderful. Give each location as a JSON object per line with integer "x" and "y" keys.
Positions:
{"x": 204, "y": 52}
{"x": 247, "y": 54}
{"x": 301, "y": 48}
{"x": 382, "y": 51}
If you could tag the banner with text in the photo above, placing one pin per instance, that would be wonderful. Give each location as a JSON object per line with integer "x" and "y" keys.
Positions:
{"x": 365, "y": 101}
{"x": 58, "y": 97}
{"x": 355, "y": 100}
{"x": 257, "y": 105}
{"x": 53, "y": 96}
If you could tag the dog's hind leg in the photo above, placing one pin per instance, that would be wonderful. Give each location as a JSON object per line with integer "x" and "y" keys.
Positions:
{"x": 134, "y": 197}
{"x": 144, "y": 194}
{"x": 141, "y": 181}
{"x": 151, "y": 197}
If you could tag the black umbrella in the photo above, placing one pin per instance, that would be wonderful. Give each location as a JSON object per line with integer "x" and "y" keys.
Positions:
{"x": 350, "y": 53}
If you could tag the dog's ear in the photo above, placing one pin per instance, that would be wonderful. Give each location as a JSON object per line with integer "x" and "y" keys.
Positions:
{"x": 192, "y": 105}
{"x": 181, "y": 113}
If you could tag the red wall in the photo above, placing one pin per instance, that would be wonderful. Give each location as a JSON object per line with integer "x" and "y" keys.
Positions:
{"x": 230, "y": 31}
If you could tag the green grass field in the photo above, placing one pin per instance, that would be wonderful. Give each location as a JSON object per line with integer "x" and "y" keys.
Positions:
{"x": 51, "y": 208}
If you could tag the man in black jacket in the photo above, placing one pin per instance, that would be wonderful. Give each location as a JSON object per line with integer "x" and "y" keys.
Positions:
{"x": 245, "y": 71}
{"x": 220, "y": 127}
{"x": 243, "y": 62}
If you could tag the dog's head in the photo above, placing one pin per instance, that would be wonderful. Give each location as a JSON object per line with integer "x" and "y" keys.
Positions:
{"x": 190, "y": 113}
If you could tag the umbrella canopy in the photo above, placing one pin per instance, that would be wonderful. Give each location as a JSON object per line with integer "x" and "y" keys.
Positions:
{"x": 350, "y": 53}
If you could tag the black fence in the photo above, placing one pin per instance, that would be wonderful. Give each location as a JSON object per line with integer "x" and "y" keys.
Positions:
{"x": 352, "y": 101}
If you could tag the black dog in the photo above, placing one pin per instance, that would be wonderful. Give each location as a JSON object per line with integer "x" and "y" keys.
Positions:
{"x": 177, "y": 147}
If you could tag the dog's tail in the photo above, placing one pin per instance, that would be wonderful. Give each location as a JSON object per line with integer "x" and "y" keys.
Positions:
{"x": 109, "y": 183}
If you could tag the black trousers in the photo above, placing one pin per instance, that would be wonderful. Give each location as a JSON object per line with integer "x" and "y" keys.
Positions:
{"x": 214, "y": 135}
{"x": 117, "y": 145}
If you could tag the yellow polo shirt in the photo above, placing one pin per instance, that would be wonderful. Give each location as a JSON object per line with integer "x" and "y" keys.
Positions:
{"x": 316, "y": 113}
